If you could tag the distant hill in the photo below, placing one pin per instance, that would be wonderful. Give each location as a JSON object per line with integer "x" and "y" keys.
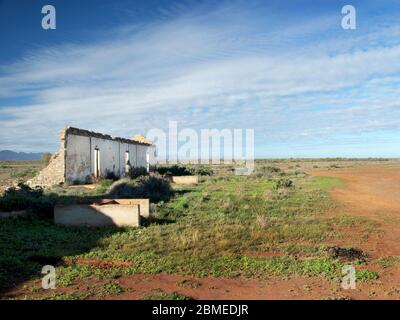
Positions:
{"x": 11, "y": 155}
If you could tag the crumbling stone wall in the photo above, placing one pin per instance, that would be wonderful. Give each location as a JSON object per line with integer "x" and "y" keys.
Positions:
{"x": 54, "y": 173}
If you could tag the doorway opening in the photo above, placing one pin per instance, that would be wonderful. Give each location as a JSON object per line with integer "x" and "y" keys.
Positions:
{"x": 96, "y": 162}
{"x": 127, "y": 162}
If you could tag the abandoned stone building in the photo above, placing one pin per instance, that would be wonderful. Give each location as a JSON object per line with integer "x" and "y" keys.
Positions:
{"x": 85, "y": 155}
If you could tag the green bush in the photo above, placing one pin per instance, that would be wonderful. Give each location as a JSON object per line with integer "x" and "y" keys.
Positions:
{"x": 154, "y": 186}
{"x": 174, "y": 170}
{"x": 267, "y": 172}
{"x": 203, "y": 170}
{"x": 181, "y": 170}
{"x": 24, "y": 197}
{"x": 46, "y": 158}
{"x": 135, "y": 172}
{"x": 284, "y": 183}
{"x": 111, "y": 175}
{"x": 25, "y": 173}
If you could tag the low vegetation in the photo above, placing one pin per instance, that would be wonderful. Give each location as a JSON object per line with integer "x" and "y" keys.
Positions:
{"x": 162, "y": 295}
{"x": 18, "y": 171}
{"x": 155, "y": 187}
{"x": 272, "y": 223}
{"x": 46, "y": 158}
{"x": 23, "y": 197}
{"x": 182, "y": 170}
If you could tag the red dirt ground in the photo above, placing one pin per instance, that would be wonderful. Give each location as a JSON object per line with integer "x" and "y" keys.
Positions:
{"x": 220, "y": 288}
{"x": 293, "y": 288}
{"x": 372, "y": 192}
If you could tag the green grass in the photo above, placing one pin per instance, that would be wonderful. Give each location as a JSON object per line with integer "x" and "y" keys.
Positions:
{"x": 18, "y": 170}
{"x": 65, "y": 296}
{"x": 103, "y": 186}
{"x": 30, "y": 172}
{"x": 388, "y": 262}
{"x": 233, "y": 267}
{"x": 327, "y": 183}
{"x": 163, "y": 295}
{"x": 366, "y": 275}
{"x": 205, "y": 230}
{"x": 112, "y": 289}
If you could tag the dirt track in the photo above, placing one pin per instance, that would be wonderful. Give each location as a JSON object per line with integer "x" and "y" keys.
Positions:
{"x": 369, "y": 191}
{"x": 372, "y": 192}
{"x": 210, "y": 288}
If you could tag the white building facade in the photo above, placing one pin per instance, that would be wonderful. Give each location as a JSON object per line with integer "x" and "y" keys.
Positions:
{"x": 85, "y": 156}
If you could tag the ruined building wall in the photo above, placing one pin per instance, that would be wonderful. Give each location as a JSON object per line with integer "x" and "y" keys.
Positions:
{"x": 80, "y": 158}
{"x": 82, "y": 147}
{"x": 76, "y": 162}
{"x": 54, "y": 173}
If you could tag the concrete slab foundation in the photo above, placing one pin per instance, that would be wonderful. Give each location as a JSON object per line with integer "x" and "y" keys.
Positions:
{"x": 105, "y": 212}
{"x": 185, "y": 179}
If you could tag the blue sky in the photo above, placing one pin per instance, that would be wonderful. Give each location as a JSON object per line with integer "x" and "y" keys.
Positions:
{"x": 285, "y": 68}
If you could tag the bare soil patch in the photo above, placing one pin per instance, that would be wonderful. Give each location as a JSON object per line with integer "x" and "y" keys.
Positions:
{"x": 292, "y": 288}
{"x": 370, "y": 190}
{"x": 210, "y": 288}
{"x": 373, "y": 192}
{"x": 140, "y": 286}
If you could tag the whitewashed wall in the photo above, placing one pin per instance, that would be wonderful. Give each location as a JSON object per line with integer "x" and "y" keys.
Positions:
{"x": 78, "y": 166}
{"x": 80, "y": 159}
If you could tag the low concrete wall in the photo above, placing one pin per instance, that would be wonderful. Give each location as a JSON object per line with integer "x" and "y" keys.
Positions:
{"x": 102, "y": 213}
{"x": 144, "y": 205}
{"x": 185, "y": 179}
{"x": 13, "y": 214}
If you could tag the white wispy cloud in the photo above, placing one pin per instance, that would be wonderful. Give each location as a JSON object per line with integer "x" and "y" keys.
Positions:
{"x": 221, "y": 68}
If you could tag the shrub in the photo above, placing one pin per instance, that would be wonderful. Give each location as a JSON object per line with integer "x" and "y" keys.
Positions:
{"x": 111, "y": 175}
{"x": 46, "y": 158}
{"x": 347, "y": 254}
{"x": 45, "y": 205}
{"x": 16, "y": 198}
{"x": 203, "y": 170}
{"x": 25, "y": 173}
{"x": 154, "y": 187}
{"x": 121, "y": 188}
{"x": 175, "y": 170}
{"x": 284, "y": 183}
{"x": 135, "y": 172}
{"x": 267, "y": 172}
{"x": 181, "y": 170}
{"x": 23, "y": 197}
{"x": 273, "y": 169}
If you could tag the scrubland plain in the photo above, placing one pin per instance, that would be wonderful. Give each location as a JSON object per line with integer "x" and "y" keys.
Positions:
{"x": 284, "y": 232}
